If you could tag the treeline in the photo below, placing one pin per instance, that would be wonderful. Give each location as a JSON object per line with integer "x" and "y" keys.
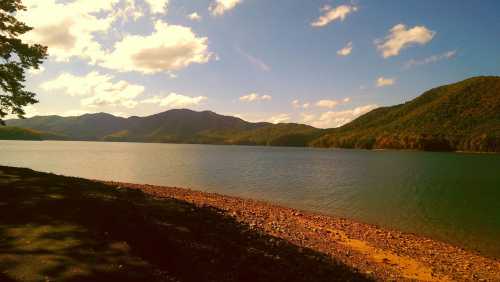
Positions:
{"x": 464, "y": 116}
{"x": 425, "y": 142}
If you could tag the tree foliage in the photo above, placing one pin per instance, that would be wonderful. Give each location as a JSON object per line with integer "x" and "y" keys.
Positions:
{"x": 463, "y": 116}
{"x": 16, "y": 57}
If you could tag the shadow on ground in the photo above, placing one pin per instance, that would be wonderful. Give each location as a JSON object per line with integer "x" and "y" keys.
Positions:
{"x": 55, "y": 228}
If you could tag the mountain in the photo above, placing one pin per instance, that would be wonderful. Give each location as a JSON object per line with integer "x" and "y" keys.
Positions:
{"x": 88, "y": 127}
{"x": 283, "y": 134}
{"x": 463, "y": 116}
{"x": 174, "y": 126}
{"x": 16, "y": 133}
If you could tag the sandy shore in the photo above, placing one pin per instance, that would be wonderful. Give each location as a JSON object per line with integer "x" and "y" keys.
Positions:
{"x": 379, "y": 253}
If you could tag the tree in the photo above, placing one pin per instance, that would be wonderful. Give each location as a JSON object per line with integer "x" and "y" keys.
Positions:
{"x": 16, "y": 57}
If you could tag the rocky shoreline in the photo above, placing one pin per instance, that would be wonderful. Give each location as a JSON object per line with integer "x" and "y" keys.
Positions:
{"x": 378, "y": 253}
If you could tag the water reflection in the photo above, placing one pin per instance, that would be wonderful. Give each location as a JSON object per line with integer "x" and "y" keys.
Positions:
{"x": 452, "y": 197}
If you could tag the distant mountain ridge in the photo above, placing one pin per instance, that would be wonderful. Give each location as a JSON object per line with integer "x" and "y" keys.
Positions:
{"x": 463, "y": 116}
{"x": 173, "y": 126}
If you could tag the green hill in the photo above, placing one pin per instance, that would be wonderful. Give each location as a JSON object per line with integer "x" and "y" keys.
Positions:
{"x": 463, "y": 116}
{"x": 284, "y": 134}
{"x": 16, "y": 133}
{"x": 86, "y": 127}
{"x": 174, "y": 126}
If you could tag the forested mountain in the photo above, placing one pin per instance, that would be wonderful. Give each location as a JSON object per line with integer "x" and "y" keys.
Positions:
{"x": 16, "y": 133}
{"x": 462, "y": 116}
{"x": 174, "y": 126}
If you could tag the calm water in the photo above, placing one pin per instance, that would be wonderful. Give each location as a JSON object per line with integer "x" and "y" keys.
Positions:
{"x": 452, "y": 197}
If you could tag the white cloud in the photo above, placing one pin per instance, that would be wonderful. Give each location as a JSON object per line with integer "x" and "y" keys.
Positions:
{"x": 383, "y": 81}
{"x": 169, "y": 48}
{"x": 120, "y": 114}
{"x": 74, "y": 113}
{"x": 73, "y": 29}
{"x": 68, "y": 29}
{"x": 38, "y": 71}
{"x": 298, "y": 105}
{"x": 194, "y": 17}
{"x": 280, "y": 118}
{"x": 157, "y": 6}
{"x": 129, "y": 10}
{"x": 327, "y": 103}
{"x": 432, "y": 59}
{"x": 331, "y": 103}
{"x": 346, "y": 50}
{"x": 400, "y": 38}
{"x": 330, "y": 14}
{"x": 99, "y": 90}
{"x": 254, "y": 60}
{"x": 252, "y": 97}
{"x": 333, "y": 119}
{"x": 29, "y": 111}
{"x": 219, "y": 7}
{"x": 174, "y": 100}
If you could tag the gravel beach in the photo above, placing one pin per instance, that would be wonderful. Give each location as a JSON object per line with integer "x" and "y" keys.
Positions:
{"x": 380, "y": 253}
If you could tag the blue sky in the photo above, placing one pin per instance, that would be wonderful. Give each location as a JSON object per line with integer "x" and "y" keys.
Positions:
{"x": 317, "y": 62}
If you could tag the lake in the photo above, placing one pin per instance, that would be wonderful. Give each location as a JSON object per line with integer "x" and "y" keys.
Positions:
{"x": 453, "y": 197}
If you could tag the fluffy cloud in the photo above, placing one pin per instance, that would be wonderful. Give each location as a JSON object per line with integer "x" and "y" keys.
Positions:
{"x": 74, "y": 113}
{"x": 253, "y": 97}
{"x": 194, "y": 17}
{"x": 98, "y": 89}
{"x": 382, "y": 81}
{"x": 279, "y": 118}
{"x": 174, "y": 100}
{"x": 346, "y": 50}
{"x": 129, "y": 10}
{"x": 400, "y": 38}
{"x": 330, "y": 14}
{"x": 71, "y": 29}
{"x": 332, "y": 119}
{"x": 68, "y": 29}
{"x": 157, "y": 6}
{"x": 298, "y": 105}
{"x": 331, "y": 103}
{"x": 219, "y": 7}
{"x": 169, "y": 48}
{"x": 327, "y": 104}
{"x": 432, "y": 59}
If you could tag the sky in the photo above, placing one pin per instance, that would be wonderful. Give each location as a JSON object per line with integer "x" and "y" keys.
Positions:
{"x": 318, "y": 62}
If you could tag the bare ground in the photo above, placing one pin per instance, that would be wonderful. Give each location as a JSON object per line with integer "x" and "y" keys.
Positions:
{"x": 55, "y": 228}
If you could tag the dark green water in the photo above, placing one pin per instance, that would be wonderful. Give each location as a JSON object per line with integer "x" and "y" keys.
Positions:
{"x": 448, "y": 196}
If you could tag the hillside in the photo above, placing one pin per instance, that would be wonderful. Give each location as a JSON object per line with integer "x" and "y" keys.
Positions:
{"x": 16, "y": 133}
{"x": 284, "y": 134}
{"x": 86, "y": 127}
{"x": 174, "y": 126}
{"x": 463, "y": 116}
